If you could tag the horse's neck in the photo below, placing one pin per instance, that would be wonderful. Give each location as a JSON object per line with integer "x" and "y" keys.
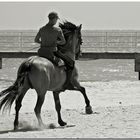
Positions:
{"x": 70, "y": 54}
{"x": 70, "y": 50}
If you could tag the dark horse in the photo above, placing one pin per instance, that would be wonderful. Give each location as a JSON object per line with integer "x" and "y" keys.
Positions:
{"x": 42, "y": 75}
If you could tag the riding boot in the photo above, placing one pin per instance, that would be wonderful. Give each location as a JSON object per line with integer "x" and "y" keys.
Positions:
{"x": 68, "y": 79}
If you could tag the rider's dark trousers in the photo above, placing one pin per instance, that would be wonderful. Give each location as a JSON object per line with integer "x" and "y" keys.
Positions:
{"x": 68, "y": 61}
{"x": 48, "y": 53}
{"x": 69, "y": 66}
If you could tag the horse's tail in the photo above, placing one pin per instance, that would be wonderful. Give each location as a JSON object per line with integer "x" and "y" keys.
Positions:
{"x": 9, "y": 95}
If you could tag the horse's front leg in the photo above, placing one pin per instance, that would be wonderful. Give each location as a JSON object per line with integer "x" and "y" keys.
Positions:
{"x": 88, "y": 106}
{"x": 76, "y": 86}
{"x": 58, "y": 108}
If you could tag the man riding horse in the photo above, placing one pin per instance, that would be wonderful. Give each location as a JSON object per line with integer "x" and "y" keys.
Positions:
{"x": 50, "y": 37}
{"x": 43, "y": 74}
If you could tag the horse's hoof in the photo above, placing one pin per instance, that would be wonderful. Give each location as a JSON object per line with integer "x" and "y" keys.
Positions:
{"x": 89, "y": 110}
{"x": 52, "y": 126}
{"x": 15, "y": 128}
{"x": 62, "y": 123}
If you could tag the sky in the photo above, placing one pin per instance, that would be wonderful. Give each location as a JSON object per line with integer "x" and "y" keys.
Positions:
{"x": 92, "y": 15}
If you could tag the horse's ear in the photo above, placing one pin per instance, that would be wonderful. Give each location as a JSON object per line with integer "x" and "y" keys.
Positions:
{"x": 80, "y": 27}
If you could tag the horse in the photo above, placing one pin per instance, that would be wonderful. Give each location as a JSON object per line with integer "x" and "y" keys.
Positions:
{"x": 42, "y": 75}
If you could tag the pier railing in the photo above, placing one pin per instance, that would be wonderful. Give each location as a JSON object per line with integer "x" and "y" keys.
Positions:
{"x": 93, "y": 41}
{"x": 112, "y": 44}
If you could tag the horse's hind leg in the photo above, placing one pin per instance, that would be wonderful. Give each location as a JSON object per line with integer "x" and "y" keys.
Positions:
{"x": 18, "y": 106}
{"x": 83, "y": 91}
{"x": 40, "y": 101}
{"x": 58, "y": 108}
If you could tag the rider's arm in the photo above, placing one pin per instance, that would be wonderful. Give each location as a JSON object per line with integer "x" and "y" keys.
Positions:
{"x": 38, "y": 38}
{"x": 61, "y": 38}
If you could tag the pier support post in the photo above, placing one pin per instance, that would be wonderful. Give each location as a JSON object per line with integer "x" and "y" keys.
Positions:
{"x": 0, "y": 63}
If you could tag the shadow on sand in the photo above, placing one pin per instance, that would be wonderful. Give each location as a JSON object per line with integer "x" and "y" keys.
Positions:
{"x": 19, "y": 130}
{"x": 26, "y": 129}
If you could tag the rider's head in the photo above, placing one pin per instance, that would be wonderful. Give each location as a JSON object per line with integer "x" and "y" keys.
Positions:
{"x": 53, "y": 17}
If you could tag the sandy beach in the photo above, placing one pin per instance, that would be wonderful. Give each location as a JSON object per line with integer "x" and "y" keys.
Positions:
{"x": 116, "y": 113}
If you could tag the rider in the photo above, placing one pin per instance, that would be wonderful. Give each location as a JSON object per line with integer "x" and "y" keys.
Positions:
{"x": 49, "y": 36}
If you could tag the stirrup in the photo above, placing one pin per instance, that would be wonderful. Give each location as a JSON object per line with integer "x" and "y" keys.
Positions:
{"x": 61, "y": 63}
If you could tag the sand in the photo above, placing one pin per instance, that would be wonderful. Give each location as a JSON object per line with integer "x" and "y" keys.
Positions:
{"x": 116, "y": 113}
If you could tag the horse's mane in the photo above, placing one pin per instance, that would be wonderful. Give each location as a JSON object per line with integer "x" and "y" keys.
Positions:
{"x": 67, "y": 26}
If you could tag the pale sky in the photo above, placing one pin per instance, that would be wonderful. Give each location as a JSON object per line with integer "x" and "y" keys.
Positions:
{"x": 92, "y": 15}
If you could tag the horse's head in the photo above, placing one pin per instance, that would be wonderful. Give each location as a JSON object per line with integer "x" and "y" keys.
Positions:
{"x": 73, "y": 38}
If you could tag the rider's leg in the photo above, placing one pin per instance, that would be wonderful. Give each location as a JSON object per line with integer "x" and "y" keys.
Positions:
{"x": 69, "y": 71}
{"x": 68, "y": 77}
{"x": 69, "y": 63}
{"x": 44, "y": 52}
